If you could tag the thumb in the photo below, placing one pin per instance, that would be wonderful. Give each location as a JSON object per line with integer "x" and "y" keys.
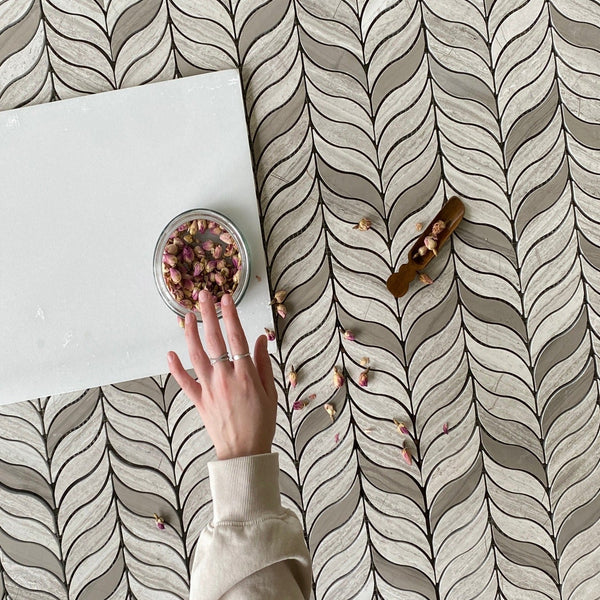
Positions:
{"x": 263, "y": 366}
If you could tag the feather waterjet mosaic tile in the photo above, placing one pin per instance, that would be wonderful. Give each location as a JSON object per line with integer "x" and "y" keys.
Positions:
{"x": 487, "y": 377}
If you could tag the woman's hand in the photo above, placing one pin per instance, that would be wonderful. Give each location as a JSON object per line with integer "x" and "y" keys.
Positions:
{"x": 237, "y": 399}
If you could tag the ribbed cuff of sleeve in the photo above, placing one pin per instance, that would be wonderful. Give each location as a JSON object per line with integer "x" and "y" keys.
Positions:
{"x": 245, "y": 488}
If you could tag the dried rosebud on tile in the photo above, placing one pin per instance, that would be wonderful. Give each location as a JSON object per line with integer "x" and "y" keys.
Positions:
{"x": 281, "y": 310}
{"x": 293, "y": 377}
{"x": 425, "y": 278}
{"x": 299, "y": 404}
{"x": 160, "y": 522}
{"x": 363, "y": 225}
{"x": 363, "y": 378}
{"x": 401, "y": 427}
{"x": 279, "y": 297}
{"x": 418, "y": 226}
{"x": 338, "y": 378}
{"x": 445, "y": 428}
{"x": 330, "y": 411}
{"x": 348, "y": 335}
{"x": 364, "y": 361}
{"x": 270, "y": 334}
{"x": 406, "y": 455}
{"x": 312, "y": 397}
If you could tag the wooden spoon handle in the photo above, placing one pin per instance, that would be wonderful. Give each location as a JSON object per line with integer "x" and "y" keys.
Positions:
{"x": 398, "y": 282}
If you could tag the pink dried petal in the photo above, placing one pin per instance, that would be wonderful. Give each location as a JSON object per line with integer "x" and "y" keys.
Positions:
{"x": 348, "y": 335}
{"x": 280, "y": 308}
{"x": 445, "y": 428}
{"x": 270, "y": 334}
{"x": 401, "y": 427}
{"x": 299, "y": 405}
{"x": 425, "y": 278}
{"x": 337, "y": 438}
{"x": 407, "y": 456}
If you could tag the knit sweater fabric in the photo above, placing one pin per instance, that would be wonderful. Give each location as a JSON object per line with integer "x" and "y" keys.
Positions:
{"x": 253, "y": 549}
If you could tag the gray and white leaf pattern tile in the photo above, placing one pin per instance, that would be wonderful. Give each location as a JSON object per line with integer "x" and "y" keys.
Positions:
{"x": 375, "y": 109}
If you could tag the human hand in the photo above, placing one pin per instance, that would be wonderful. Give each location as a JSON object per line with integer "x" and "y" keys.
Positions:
{"x": 237, "y": 399}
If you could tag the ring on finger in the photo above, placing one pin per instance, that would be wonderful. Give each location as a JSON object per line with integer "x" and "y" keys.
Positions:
{"x": 223, "y": 357}
{"x": 238, "y": 356}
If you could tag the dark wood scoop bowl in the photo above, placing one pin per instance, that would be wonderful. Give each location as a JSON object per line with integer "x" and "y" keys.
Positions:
{"x": 452, "y": 213}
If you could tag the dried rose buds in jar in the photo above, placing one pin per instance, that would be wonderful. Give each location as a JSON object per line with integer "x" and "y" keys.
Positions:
{"x": 200, "y": 255}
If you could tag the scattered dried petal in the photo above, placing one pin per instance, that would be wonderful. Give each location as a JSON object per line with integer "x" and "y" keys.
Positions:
{"x": 312, "y": 397}
{"x": 338, "y": 378}
{"x": 363, "y": 225}
{"x": 348, "y": 335}
{"x": 364, "y": 361}
{"x": 280, "y": 308}
{"x": 330, "y": 411}
{"x": 363, "y": 378}
{"x": 445, "y": 428}
{"x": 258, "y": 278}
{"x": 337, "y": 438}
{"x": 425, "y": 278}
{"x": 299, "y": 404}
{"x": 293, "y": 377}
{"x": 160, "y": 522}
{"x": 270, "y": 334}
{"x": 401, "y": 427}
{"x": 418, "y": 226}
{"x": 407, "y": 456}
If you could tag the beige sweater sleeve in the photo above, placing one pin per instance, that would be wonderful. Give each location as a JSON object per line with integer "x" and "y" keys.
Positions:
{"x": 253, "y": 548}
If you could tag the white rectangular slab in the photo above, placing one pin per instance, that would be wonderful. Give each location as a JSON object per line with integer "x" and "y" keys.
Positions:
{"x": 88, "y": 184}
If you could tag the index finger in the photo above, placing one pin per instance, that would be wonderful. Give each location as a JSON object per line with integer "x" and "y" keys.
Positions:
{"x": 235, "y": 333}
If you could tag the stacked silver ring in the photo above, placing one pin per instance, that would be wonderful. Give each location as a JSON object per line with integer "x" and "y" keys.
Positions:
{"x": 224, "y": 356}
{"x": 238, "y": 356}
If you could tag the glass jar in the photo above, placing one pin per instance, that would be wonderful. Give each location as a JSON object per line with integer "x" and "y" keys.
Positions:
{"x": 171, "y": 229}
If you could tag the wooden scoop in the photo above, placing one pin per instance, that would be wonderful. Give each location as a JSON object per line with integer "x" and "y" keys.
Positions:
{"x": 452, "y": 213}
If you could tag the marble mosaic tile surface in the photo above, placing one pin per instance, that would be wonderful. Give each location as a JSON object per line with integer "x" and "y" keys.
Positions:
{"x": 355, "y": 109}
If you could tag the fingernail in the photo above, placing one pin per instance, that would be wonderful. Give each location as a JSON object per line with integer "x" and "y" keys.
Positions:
{"x": 190, "y": 318}
{"x": 170, "y": 357}
{"x": 203, "y": 296}
{"x": 226, "y": 300}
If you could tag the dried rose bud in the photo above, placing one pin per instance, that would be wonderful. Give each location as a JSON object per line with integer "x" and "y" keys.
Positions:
{"x": 236, "y": 261}
{"x": 193, "y": 228}
{"x": 169, "y": 259}
{"x": 422, "y": 251}
{"x": 230, "y": 250}
{"x": 178, "y": 242}
{"x": 178, "y": 295}
{"x": 219, "y": 279}
{"x": 217, "y": 251}
{"x": 188, "y": 285}
{"x": 279, "y": 297}
{"x": 280, "y": 308}
{"x": 188, "y": 239}
{"x": 198, "y": 251}
{"x": 187, "y": 254}
{"x": 438, "y": 227}
{"x": 172, "y": 248}
{"x": 338, "y": 378}
{"x": 445, "y": 428}
{"x": 270, "y": 334}
{"x": 175, "y": 275}
{"x": 208, "y": 245}
{"x": 182, "y": 227}
{"x": 211, "y": 265}
{"x": 227, "y": 238}
{"x": 299, "y": 405}
{"x": 236, "y": 279}
{"x": 312, "y": 397}
{"x": 431, "y": 244}
{"x": 221, "y": 264}
{"x": 363, "y": 378}
{"x": 418, "y": 226}
{"x": 401, "y": 427}
{"x": 160, "y": 522}
{"x": 425, "y": 278}
{"x": 215, "y": 229}
{"x": 407, "y": 456}
{"x": 195, "y": 294}
{"x": 364, "y": 361}
{"x": 293, "y": 377}
{"x": 363, "y": 224}
{"x": 201, "y": 225}
{"x": 187, "y": 304}
{"x": 337, "y": 438}
{"x": 330, "y": 411}
{"x": 348, "y": 335}
{"x": 197, "y": 268}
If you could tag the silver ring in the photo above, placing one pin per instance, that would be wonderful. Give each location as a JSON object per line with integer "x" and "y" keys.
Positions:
{"x": 224, "y": 356}
{"x": 238, "y": 356}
